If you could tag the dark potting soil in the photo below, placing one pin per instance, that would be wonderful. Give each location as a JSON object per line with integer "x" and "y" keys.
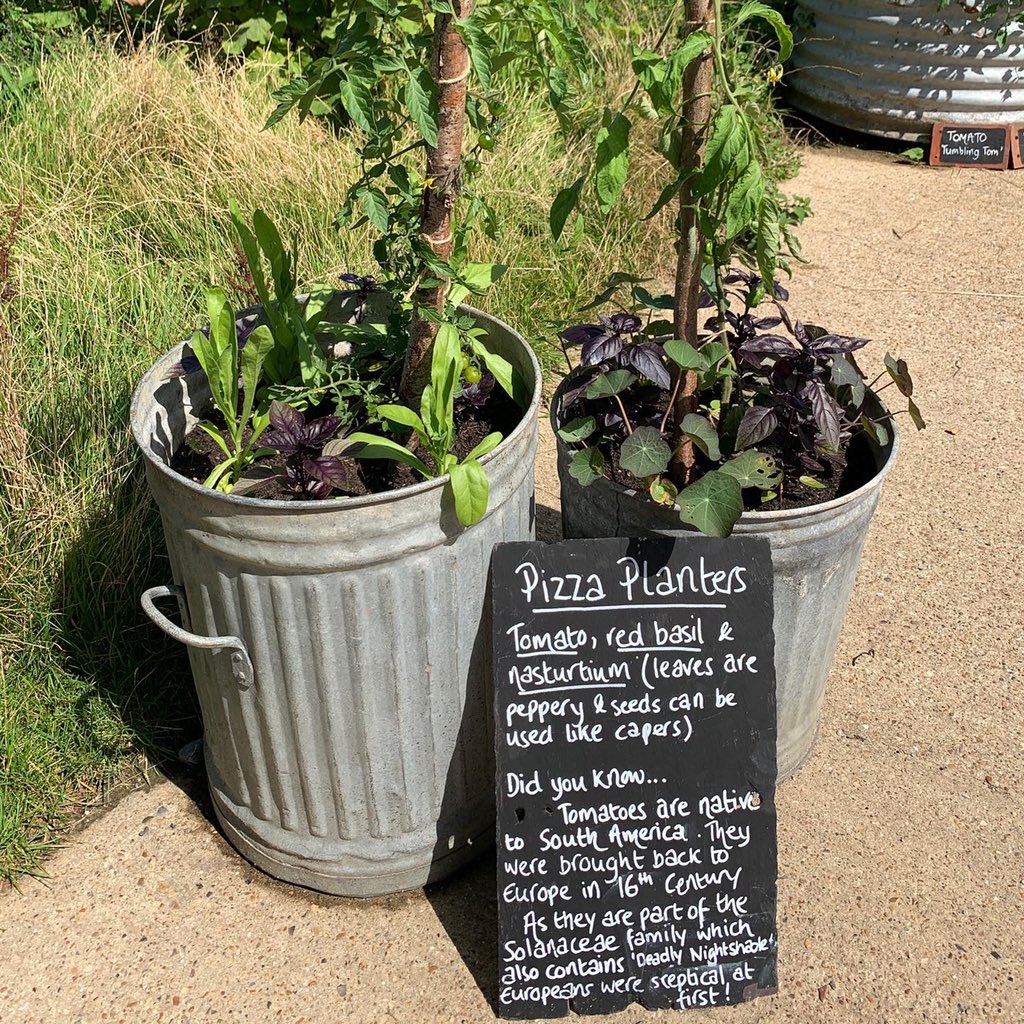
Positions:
{"x": 199, "y": 454}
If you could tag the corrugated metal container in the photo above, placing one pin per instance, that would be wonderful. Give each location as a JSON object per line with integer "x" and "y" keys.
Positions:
{"x": 815, "y": 555}
{"x": 895, "y": 68}
{"x": 340, "y": 654}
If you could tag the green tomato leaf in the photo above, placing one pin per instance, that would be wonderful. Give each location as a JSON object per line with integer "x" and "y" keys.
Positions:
{"x": 726, "y": 151}
{"x": 756, "y": 9}
{"x": 712, "y": 504}
{"x": 645, "y": 452}
{"x": 375, "y": 205}
{"x": 587, "y": 466}
{"x": 767, "y": 241}
{"x": 608, "y": 384}
{"x": 421, "y": 99}
{"x": 470, "y": 489}
{"x": 612, "y": 162}
{"x": 357, "y": 99}
{"x": 565, "y": 202}
{"x": 752, "y": 469}
{"x": 578, "y": 429}
{"x": 703, "y": 435}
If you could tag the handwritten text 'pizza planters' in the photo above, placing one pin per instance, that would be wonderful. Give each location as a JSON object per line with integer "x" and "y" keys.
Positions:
{"x": 751, "y": 421}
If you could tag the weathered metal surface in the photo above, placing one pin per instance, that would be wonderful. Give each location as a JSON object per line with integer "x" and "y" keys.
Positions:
{"x": 895, "y": 68}
{"x": 360, "y": 762}
{"x": 815, "y": 554}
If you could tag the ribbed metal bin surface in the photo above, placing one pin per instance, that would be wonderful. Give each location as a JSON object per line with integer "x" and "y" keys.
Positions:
{"x": 895, "y": 68}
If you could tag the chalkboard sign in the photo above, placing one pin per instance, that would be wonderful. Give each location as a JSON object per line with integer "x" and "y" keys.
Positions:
{"x": 961, "y": 145}
{"x": 635, "y": 738}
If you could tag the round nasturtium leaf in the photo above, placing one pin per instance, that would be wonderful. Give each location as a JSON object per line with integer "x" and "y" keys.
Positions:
{"x": 645, "y": 452}
{"x": 712, "y": 504}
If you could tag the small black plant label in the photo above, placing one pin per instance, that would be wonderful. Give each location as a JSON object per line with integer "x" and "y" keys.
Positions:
{"x": 962, "y": 145}
{"x": 635, "y": 737}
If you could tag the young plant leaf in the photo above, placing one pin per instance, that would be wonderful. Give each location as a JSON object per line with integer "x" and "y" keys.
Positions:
{"x": 756, "y": 9}
{"x": 487, "y": 445}
{"x": 900, "y": 373}
{"x": 712, "y": 504}
{"x": 375, "y": 447}
{"x": 259, "y": 345}
{"x": 915, "y": 414}
{"x": 826, "y": 414}
{"x": 587, "y": 466}
{"x": 645, "y": 452}
{"x": 470, "y": 489}
{"x": 703, "y": 435}
{"x": 609, "y": 384}
{"x": 684, "y": 355}
{"x": 811, "y": 482}
{"x": 564, "y": 204}
{"x": 663, "y": 491}
{"x": 578, "y": 429}
{"x": 403, "y": 416}
{"x": 752, "y": 469}
{"x": 612, "y": 161}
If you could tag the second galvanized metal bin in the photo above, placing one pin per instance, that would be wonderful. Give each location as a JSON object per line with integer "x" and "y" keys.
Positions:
{"x": 340, "y": 652}
{"x": 895, "y": 67}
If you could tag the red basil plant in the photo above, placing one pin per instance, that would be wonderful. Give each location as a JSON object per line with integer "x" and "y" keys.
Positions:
{"x": 754, "y": 408}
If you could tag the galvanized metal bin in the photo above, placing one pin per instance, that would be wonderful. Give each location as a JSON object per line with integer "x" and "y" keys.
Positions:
{"x": 815, "y": 555}
{"x": 895, "y": 68}
{"x": 340, "y": 653}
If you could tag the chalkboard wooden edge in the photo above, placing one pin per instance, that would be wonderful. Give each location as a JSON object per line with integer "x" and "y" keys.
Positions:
{"x": 934, "y": 158}
{"x": 1017, "y": 145}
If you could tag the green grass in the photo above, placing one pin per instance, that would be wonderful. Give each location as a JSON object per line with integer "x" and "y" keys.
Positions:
{"x": 123, "y": 166}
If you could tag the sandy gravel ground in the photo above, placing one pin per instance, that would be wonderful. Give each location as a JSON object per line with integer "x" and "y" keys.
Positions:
{"x": 901, "y": 845}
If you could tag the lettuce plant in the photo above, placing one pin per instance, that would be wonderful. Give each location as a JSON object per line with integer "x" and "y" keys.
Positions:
{"x": 233, "y": 372}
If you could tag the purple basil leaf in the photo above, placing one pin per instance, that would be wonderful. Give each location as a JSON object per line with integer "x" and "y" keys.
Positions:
{"x": 826, "y": 413}
{"x": 318, "y": 432}
{"x": 330, "y": 470}
{"x": 765, "y": 323}
{"x": 597, "y": 350}
{"x": 837, "y": 344}
{"x": 773, "y": 344}
{"x": 576, "y": 389}
{"x": 784, "y": 314}
{"x": 478, "y": 393}
{"x": 286, "y": 419}
{"x": 782, "y": 294}
{"x": 810, "y": 463}
{"x": 283, "y": 441}
{"x": 580, "y": 334}
{"x": 814, "y": 331}
{"x": 186, "y": 365}
{"x": 705, "y": 301}
{"x": 646, "y": 360}
{"x": 622, "y": 323}
{"x": 757, "y": 423}
{"x": 742, "y": 277}
{"x": 612, "y": 419}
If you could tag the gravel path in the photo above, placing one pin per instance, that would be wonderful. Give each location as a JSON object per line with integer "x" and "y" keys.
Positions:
{"x": 900, "y": 842}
